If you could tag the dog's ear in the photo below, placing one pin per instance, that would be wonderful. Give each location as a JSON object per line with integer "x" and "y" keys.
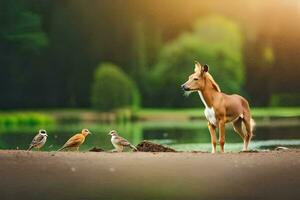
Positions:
{"x": 197, "y": 67}
{"x": 205, "y": 68}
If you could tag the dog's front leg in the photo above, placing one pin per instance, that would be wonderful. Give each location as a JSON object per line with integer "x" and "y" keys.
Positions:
{"x": 212, "y": 131}
{"x": 222, "y": 135}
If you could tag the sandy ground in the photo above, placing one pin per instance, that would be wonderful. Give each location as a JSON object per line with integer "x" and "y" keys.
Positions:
{"x": 91, "y": 175}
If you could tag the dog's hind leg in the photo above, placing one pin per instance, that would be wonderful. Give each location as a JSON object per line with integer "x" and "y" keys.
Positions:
{"x": 249, "y": 134}
{"x": 238, "y": 128}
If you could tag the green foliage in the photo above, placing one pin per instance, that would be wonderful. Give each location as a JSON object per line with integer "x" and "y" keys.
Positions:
{"x": 113, "y": 89}
{"x": 21, "y": 27}
{"x": 285, "y": 99}
{"x": 21, "y": 45}
{"x": 215, "y": 41}
{"x": 60, "y": 75}
{"x": 15, "y": 120}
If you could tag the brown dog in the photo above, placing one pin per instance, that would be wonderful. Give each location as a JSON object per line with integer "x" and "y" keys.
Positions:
{"x": 220, "y": 108}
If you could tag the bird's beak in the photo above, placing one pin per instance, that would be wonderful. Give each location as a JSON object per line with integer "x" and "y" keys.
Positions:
{"x": 108, "y": 134}
{"x": 90, "y": 133}
{"x": 46, "y": 135}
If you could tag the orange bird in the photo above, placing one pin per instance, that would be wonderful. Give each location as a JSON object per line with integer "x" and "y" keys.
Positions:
{"x": 76, "y": 140}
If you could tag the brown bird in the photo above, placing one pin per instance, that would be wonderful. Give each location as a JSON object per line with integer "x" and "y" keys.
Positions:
{"x": 75, "y": 141}
{"x": 118, "y": 142}
{"x": 39, "y": 140}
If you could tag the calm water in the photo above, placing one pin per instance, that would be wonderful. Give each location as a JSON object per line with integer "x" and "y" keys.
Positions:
{"x": 186, "y": 136}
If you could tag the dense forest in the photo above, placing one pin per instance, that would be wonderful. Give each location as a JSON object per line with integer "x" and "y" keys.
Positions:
{"x": 50, "y": 50}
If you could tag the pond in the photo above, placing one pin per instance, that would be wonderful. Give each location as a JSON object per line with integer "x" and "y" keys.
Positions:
{"x": 180, "y": 135}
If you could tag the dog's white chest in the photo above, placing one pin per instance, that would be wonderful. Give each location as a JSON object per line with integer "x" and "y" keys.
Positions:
{"x": 210, "y": 115}
{"x": 209, "y": 112}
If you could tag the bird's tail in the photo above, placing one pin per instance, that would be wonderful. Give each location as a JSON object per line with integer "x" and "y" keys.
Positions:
{"x": 61, "y": 148}
{"x": 30, "y": 147}
{"x": 133, "y": 147}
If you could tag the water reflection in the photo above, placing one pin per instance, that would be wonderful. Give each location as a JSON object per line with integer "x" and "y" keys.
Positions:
{"x": 185, "y": 136}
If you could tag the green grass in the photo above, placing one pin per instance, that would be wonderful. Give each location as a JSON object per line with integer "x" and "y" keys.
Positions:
{"x": 40, "y": 116}
{"x": 276, "y": 112}
{"x": 198, "y": 112}
{"x": 10, "y": 120}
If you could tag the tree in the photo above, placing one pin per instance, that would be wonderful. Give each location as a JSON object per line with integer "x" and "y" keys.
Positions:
{"x": 21, "y": 39}
{"x": 215, "y": 41}
{"x": 113, "y": 89}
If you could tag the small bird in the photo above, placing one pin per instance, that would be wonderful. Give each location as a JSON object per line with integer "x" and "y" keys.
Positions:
{"x": 119, "y": 142}
{"x": 39, "y": 140}
{"x": 76, "y": 140}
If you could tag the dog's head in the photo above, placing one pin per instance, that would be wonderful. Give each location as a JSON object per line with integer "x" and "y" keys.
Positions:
{"x": 196, "y": 80}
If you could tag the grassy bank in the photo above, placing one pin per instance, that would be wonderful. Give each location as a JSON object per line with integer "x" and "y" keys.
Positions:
{"x": 42, "y": 117}
{"x": 19, "y": 119}
{"x": 275, "y": 112}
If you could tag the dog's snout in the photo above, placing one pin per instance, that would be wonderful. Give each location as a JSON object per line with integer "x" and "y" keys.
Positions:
{"x": 184, "y": 87}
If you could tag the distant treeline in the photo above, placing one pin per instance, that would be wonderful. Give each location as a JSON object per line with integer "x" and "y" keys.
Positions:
{"x": 49, "y": 50}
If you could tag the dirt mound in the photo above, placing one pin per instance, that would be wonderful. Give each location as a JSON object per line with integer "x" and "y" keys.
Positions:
{"x": 146, "y": 146}
{"x": 96, "y": 149}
